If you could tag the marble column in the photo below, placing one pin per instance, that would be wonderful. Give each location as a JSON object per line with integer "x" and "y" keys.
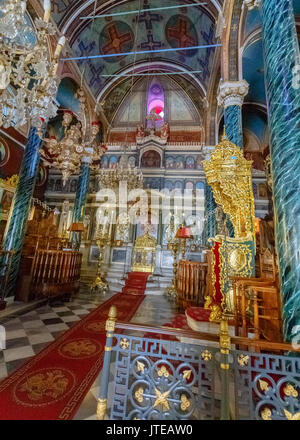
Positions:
{"x": 231, "y": 96}
{"x": 14, "y": 238}
{"x": 81, "y": 192}
{"x": 210, "y": 224}
{"x": 80, "y": 199}
{"x": 282, "y": 59}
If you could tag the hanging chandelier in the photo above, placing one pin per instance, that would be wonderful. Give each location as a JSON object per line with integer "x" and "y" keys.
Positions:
{"x": 124, "y": 172}
{"x": 28, "y": 80}
{"x": 78, "y": 144}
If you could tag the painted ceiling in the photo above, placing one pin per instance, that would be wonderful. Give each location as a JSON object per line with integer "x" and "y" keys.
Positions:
{"x": 166, "y": 29}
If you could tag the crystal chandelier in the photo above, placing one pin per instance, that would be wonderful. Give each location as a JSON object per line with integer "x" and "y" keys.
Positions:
{"x": 78, "y": 144}
{"x": 28, "y": 80}
{"x": 124, "y": 172}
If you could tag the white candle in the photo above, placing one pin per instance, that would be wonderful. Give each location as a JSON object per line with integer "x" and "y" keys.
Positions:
{"x": 60, "y": 44}
{"x": 47, "y": 10}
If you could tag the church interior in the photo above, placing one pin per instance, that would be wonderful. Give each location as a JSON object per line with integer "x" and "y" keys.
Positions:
{"x": 149, "y": 210}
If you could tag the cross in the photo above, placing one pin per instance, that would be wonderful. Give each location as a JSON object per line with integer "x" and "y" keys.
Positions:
{"x": 116, "y": 40}
{"x": 180, "y": 33}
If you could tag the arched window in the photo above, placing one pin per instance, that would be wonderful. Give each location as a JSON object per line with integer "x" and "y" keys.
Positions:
{"x": 155, "y": 105}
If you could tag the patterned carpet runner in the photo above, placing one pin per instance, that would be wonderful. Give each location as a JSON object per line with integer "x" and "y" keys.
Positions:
{"x": 136, "y": 283}
{"x": 52, "y": 385}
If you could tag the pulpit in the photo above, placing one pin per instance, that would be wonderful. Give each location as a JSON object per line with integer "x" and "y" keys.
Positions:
{"x": 144, "y": 254}
{"x": 229, "y": 175}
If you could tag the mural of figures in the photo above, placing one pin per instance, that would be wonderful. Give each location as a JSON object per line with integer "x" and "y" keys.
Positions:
{"x": 190, "y": 162}
{"x": 170, "y": 162}
{"x": 262, "y": 191}
{"x": 189, "y": 185}
{"x": 73, "y": 185}
{"x": 150, "y": 159}
{"x": 199, "y": 163}
{"x": 168, "y": 185}
{"x": 178, "y": 185}
{"x": 104, "y": 162}
{"x": 132, "y": 161}
{"x": 200, "y": 185}
{"x": 113, "y": 162}
{"x": 180, "y": 162}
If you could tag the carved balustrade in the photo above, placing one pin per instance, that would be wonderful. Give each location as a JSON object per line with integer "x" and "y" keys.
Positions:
{"x": 54, "y": 272}
{"x": 191, "y": 283}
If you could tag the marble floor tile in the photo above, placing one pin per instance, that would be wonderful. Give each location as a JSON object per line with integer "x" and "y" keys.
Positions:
{"x": 57, "y": 327}
{"x": 48, "y": 315}
{"x": 12, "y": 334}
{"x": 72, "y": 318}
{"x": 13, "y": 354}
{"x": 40, "y": 338}
{"x": 33, "y": 324}
{"x": 61, "y": 309}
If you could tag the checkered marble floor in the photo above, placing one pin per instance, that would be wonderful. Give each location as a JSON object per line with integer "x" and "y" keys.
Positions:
{"x": 28, "y": 334}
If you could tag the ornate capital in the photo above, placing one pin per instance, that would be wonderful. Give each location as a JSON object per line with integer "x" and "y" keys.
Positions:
{"x": 232, "y": 92}
{"x": 252, "y": 4}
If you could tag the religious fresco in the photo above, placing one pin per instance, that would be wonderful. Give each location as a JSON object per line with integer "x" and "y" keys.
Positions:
{"x": 156, "y": 31}
{"x": 200, "y": 186}
{"x": 113, "y": 160}
{"x": 130, "y": 110}
{"x": 104, "y": 161}
{"x": 151, "y": 159}
{"x": 132, "y": 161}
{"x": 190, "y": 162}
{"x": 179, "y": 162}
{"x": 189, "y": 185}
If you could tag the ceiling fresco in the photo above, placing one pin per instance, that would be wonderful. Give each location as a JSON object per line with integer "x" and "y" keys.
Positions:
{"x": 167, "y": 29}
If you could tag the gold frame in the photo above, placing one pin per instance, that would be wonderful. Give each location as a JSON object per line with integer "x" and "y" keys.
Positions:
{"x": 144, "y": 245}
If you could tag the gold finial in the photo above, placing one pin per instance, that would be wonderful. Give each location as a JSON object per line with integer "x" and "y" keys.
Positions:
{"x": 112, "y": 317}
{"x": 224, "y": 136}
{"x": 112, "y": 312}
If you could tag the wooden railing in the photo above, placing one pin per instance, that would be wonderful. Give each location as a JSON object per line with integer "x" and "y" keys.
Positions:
{"x": 54, "y": 272}
{"x": 191, "y": 283}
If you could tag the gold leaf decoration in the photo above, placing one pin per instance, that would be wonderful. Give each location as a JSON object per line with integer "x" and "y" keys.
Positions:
{"x": 263, "y": 385}
{"x": 291, "y": 416}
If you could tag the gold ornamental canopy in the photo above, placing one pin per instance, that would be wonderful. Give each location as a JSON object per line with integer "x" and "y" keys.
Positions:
{"x": 229, "y": 175}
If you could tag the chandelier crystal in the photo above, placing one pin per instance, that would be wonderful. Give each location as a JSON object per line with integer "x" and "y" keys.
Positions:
{"x": 28, "y": 80}
{"x": 124, "y": 172}
{"x": 78, "y": 144}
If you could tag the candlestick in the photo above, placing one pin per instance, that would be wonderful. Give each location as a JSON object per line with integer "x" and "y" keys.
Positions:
{"x": 47, "y": 10}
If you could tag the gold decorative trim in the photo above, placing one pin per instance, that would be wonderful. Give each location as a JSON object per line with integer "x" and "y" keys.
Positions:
{"x": 101, "y": 408}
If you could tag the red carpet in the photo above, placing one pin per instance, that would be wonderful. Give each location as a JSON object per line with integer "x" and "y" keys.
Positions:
{"x": 136, "y": 283}
{"x": 199, "y": 314}
{"x": 52, "y": 385}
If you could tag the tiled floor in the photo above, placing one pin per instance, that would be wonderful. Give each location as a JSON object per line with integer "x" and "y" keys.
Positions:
{"x": 28, "y": 334}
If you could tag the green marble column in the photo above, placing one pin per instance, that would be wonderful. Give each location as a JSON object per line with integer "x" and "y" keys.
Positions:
{"x": 281, "y": 55}
{"x": 231, "y": 96}
{"x": 14, "y": 239}
{"x": 233, "y": 124}
{"x": 210, "y": 225}
{"x": 80, "y": 199}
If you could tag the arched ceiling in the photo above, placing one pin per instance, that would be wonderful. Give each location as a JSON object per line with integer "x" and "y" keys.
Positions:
{"x": 191, "y": 26}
